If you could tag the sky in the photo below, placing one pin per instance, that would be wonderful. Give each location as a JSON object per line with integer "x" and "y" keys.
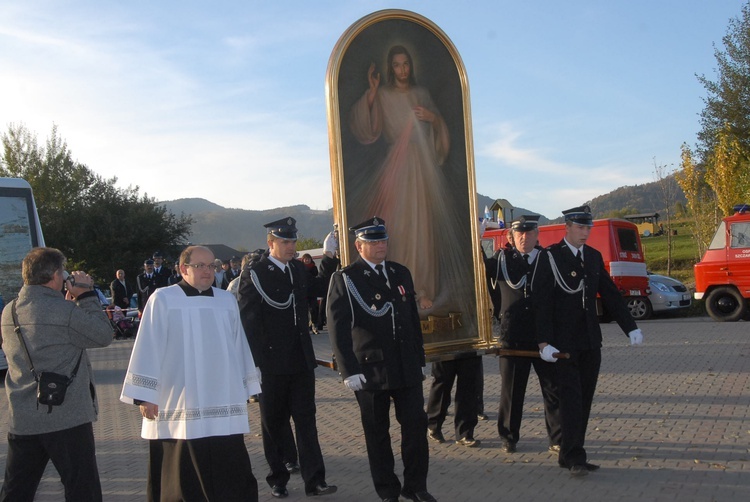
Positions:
{"x": 225, "y": 100}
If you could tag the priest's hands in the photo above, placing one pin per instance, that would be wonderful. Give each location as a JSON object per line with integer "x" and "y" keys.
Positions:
{"x": 149, "y": 411}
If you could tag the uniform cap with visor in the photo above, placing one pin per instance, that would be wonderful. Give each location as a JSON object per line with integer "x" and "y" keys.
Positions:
{"x": 285, "y": 228}
{"x": 525, "y": 223}
{"x": 579, "y": 215}
{"x": 370, "y": 230}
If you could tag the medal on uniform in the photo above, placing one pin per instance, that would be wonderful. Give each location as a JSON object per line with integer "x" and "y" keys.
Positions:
{"x": 573, "y": 273}
{"x": 377, "y": 296}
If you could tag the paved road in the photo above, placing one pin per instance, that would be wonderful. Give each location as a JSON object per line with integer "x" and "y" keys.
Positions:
{"x": 671, "y": 422}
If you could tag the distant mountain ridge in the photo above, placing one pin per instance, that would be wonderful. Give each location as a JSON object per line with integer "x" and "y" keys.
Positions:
{"x": 243, "y": 229}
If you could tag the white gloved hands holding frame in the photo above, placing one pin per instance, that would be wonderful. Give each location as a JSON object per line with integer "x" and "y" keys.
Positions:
{"x": 355, "y": 382}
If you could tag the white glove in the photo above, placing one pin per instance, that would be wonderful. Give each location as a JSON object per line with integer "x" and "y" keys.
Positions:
{"x": 546, "y": 353}
{"x": 330, "y": 244}
{"x": 636, "y": 337}
{"x": 260, "y": 377}
{"x": 355, "y": 382}
{"x": 482, "y": 227}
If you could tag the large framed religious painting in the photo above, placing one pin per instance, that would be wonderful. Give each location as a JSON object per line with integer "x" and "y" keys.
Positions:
{"x": 401, "y": 149}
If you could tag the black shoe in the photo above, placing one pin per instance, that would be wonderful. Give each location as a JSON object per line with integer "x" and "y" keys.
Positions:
{"x": 418, "y": 496}
{"x": 578, "y": 470}
{"x": 482, "y": 417}
{"x": 390, "y": 499}
{"x": 589, "y": 467}
{"x": 280, "y": 492}
{"x": 436, "y": 436}
{"x": 468, "y": 442}
{"x": 554, "y": 448}
{"x": 292, "y": 467}
{"x": 509, "y": 446}
{"x": 322, "y": 489}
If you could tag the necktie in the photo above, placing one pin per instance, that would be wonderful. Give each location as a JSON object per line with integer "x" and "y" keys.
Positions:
{"x": 579, "y": 257}
{"x": 381, "y": 273}
{"x": 526, "y": 258}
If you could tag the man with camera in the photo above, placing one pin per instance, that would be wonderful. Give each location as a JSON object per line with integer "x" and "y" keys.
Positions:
{"x": 49, "y": 332}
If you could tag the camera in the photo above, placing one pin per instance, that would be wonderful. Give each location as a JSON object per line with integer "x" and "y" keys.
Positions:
{"x": 67, "y": 278}
{"x": 70, "y": 282}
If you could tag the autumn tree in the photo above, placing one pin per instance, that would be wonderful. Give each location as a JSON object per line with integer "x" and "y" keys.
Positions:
{"x": 727, "y": 104}
{"x": 727, "y": 172}
{"x": 98, "y": 226}
{"x": 701, "y": 199}
{"x": 717, "y": 176}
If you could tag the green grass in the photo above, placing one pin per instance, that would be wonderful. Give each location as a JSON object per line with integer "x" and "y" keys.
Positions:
{"x": 684, "y": 254}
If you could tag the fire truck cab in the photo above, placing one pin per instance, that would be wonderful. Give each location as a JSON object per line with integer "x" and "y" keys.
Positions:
{"x": 620, "y": 245}
{"x": 722, "y": 277}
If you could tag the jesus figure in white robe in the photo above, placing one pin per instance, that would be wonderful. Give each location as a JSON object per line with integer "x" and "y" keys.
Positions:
{"x": 408, "y": 190}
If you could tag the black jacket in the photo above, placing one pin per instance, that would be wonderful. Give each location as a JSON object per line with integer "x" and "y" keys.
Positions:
{"x": 569, "y": 321}
{"x": 387, "y": 349}
{"x": 145, "y": 287}
{"x": 279, "y": 338}
{"x": 120, "y": 294}
{"x": 513, "y": 306}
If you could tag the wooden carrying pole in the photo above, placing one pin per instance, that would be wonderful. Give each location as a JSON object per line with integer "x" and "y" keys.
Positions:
{"x": 529, "y": 353}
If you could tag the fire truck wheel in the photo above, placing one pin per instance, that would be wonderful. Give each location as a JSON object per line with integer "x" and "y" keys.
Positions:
{"x": 640, "y": 308}
{"x": 726, "y": 304}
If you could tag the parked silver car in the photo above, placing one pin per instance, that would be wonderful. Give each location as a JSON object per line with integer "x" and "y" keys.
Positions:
{"x": 666, "y": 294}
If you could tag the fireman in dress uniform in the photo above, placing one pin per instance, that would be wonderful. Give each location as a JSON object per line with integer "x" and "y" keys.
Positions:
{"x": 146, "y": 283}
{"x": 273, "y": 306}
{"x": 571, "y": 274}
{"x": 512, "y": 274}
{"x": 376, "y": 336}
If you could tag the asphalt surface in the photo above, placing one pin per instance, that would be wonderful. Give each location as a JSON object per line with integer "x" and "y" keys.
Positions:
{"x": 670, "y": 422}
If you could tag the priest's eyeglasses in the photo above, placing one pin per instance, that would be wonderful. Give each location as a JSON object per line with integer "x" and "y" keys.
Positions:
{"x": 202, "y": 266}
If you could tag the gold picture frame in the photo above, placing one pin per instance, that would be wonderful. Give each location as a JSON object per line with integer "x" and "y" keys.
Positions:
{"x": 401, "y": 148}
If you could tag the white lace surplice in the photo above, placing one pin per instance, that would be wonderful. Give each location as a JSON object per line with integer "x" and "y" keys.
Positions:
{"x": 192, "y": 358}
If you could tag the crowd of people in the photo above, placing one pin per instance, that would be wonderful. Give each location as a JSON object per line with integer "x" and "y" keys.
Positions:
{"x": 225, "y": 333}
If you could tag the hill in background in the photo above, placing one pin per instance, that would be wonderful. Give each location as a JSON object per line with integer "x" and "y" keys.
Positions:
{"x": 243, "y": 229}
{"x": 646, "y": 198}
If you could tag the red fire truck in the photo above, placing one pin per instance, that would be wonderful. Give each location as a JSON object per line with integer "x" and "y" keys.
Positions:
{"x": 620, "y": 245}
{"x": 722, "y": 277}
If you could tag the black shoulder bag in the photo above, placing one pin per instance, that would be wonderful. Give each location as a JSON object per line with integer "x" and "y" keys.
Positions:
{"x": 51, "y": 387}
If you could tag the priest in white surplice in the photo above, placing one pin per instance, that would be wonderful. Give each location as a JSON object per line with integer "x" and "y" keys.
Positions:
{"x": 191, "y": 373}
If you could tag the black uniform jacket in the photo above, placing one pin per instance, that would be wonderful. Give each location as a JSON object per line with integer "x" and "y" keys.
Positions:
{"x": 514, "y": 306}
{"x": 162, "y": 276}
{"x": 388, "y": 350}
{"x": 279, "y": 338}
{"x": 145, "y": 286}
{"x": 567, "y": 321}
{"x": 120, "y": 294}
